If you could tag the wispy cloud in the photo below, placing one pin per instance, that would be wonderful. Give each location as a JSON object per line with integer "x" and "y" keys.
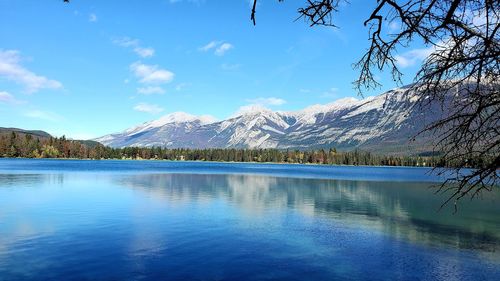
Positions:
{"x": 259, "y": 104}
{"x": 219, "y": 47}
{"x": 331, "y": 93}
{"x": 144, "y": 52}
{"x": 7, "y": 98}
{"x": 305, "y": 91}
{"x": 151, "y": 74}
{"x": 272, "y": 101}
{"x": 151, "y": 90}
{"x": 181, "y": 86}
{"x": 44, "y": 115}
{"x": 11, "y": 69}
{"x": 135, "y": 45}
{"x": 413, "y": 57}
{"x": 209, "y": 46}
{"x": 126, "y": 42}
{"x": 394, "y": 26}
{"x": 222, "y": 49}
{"x": 250, "y": 108}
{"x": 92, "y": 17}
{"x": 148, "y": 108}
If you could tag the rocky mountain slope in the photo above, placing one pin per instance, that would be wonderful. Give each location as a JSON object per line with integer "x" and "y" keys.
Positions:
{"x": 385, "y": 123}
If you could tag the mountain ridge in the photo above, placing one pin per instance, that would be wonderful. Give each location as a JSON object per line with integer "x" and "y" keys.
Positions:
{"x": 36, "y": 133}
{"x": 373, "y": 123}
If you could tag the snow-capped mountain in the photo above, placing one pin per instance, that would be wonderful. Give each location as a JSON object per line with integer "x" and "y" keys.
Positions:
{"x": 384, "y": 122}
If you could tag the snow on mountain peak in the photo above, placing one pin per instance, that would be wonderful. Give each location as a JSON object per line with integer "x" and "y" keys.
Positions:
{"x": 252, "y": 109}
{"x": 308, "y": 114}
{"x": 346, "y": 122}
{"x": 182, "y": 117}
{"x": 173, "y": 118}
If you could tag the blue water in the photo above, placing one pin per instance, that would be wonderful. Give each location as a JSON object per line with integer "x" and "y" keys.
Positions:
{"x": 156, "y": 220}
{"x": 188, "y": 167}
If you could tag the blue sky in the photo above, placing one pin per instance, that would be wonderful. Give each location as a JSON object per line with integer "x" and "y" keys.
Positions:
{"x": 91, "y": 67}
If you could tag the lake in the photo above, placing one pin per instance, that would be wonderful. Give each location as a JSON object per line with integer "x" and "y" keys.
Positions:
{"x": 159, "y": 220}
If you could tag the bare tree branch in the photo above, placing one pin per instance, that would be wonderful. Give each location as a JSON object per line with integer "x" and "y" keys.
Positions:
{"x": 462, "y": 75}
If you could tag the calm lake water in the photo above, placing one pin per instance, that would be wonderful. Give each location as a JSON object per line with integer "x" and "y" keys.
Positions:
{"x": 155, "y": 220}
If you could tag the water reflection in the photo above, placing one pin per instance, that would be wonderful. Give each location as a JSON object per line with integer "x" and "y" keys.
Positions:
{"x": 29, "y": 180}
{"x": 408, "y": 211}
{"x": 124, "y": 226}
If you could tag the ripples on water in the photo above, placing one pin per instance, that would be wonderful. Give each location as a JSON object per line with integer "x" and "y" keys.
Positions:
{"x": 113, "y": 220}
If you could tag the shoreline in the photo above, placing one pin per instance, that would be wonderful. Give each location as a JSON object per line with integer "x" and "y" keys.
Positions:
{"x": 277, "y": 170}
{"x": 226, "y": 162}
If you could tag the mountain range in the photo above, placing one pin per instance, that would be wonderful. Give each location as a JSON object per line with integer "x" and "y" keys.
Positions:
{"x": 383, "y": 123}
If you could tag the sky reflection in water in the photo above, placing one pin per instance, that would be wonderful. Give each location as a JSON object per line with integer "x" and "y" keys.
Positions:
{"x": 94, "y": 225}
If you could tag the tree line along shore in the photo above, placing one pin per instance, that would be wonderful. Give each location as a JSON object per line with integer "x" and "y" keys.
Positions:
{"x": 28, "y": 146}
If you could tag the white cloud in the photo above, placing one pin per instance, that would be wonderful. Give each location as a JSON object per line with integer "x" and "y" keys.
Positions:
{"x": 222, "y": 49}
{"x": 305, "y": 90}
{"x": 135, "y": 45}
{"x": 181, "y": 86}
{"x": 267, "y": 101}
{"x": 394, "y": 26}
{"x": 260, "y": 104}
{"x": 250, "y": 108}
{"x": 413, "y": 57}
{"x": 44, "y": 115}
{"x": 151, "y": 74}
{"x": 331, "y": 93}
{"x": 11, "y": 69}
{"x": 5, "y": 97}
{"x": 126, "y": 42}
{"x": 151, "y": 90}
{"x": 148, "y": 108}
{"x": 479, "y": 19}
{"x": 93, "y": 17}
{"x": 209, "y": 46}
{"x": 144, "y": 52}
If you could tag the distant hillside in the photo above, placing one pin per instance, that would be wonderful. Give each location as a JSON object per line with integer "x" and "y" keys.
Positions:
{"x": 41, "y": 135}
{"x": 89, "y": 143}
{"x": 35, "y": 133}
{"x": 15, "y": 142}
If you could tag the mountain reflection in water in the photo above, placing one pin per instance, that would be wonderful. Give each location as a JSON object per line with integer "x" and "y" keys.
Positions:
{"x": 401, "y": 209}
{"x": 126, "y": 224}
